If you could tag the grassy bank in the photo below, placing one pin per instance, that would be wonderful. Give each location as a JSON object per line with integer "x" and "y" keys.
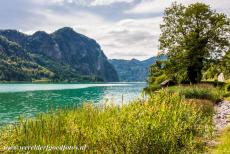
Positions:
{"x": 165, "y": 123}
{"x": 223, "y": 145}
{"x": 200, "y": 91}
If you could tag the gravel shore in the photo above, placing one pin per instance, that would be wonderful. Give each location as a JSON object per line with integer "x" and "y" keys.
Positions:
{"x": 221, "y": 118}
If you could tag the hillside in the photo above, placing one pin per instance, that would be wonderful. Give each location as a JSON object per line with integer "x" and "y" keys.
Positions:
{"x": 63, "y": 55}
{"x": 17, "y": 65}
{"x": 133, "y": 70}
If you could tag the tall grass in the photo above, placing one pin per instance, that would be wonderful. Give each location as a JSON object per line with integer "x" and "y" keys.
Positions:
{"x": 202, "y": 91}
{"x": 223, "y": 144}
{"x": 165, "y": 123}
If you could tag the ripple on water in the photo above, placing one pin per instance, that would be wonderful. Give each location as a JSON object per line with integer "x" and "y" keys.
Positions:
{"x": 27, "y": 102}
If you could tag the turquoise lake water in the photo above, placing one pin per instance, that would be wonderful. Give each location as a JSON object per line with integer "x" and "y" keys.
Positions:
{"x": 30, "y": 99}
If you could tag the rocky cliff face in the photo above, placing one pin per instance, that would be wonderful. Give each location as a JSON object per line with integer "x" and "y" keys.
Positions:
{"x": 66, "y": 53}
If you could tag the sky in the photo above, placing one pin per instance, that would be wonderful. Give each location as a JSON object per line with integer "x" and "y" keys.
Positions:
{"x": 125, "y": 29}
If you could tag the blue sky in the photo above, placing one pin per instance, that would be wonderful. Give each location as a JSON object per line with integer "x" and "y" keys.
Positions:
{"x": 124, "y": 28}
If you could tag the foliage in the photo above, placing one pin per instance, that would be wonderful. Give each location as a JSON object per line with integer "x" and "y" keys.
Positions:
{"x": 212, "y": 72}
{"x": 227, "y": 87}
{"x": 62, "y": 72}
{"x": 16, "y": 64}
{"x": 225, "y": 65}
{"x": 192, "y": 36}
{"x": 160, "y": 79}
{"x": 214, "y": 68}
{"x": 151, "y": 88}
{"x": 165, "y": 123}
{"x": 156, "y": 71}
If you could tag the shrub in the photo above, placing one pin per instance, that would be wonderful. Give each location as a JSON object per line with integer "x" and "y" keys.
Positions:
{"x": 227, "y": 87}
{"x": 152, "y": 88}
{"x": 163, "y": 124}
{"x": 151, "y": 80}
{"x": 160, "y": 79}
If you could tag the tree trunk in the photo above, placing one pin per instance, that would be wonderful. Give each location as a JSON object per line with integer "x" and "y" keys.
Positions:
{"x": 194, "y": 71}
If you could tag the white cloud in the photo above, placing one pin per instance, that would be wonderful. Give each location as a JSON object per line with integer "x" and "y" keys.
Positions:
{"x": 131, "y": 38}
{"x": 126, "y": 38}
{"x": 158, "y": 6}
{"x": 132, "y": 35}
{"x": 48, "y": 2}
{"x": 53, "y": 20}
{"x": 150, "y": 6}
{"x": 83, "y": 2}
{"x": 108, "y": 2}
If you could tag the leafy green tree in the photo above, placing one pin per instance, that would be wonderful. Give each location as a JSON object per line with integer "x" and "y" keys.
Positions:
{"x": 191, "y": 36}
{"x": 225, "y": 65}
{"x": 156, "y": 71}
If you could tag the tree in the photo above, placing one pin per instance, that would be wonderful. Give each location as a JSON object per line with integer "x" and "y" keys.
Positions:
{"x": 225, "y": 65}
{"x": 191, "y": 36}
{"x": 156, "y": 71}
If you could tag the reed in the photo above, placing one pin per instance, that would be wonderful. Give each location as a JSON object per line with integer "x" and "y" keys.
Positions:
{"x": 202, "y": 91}
{"x": 165, "y": 123}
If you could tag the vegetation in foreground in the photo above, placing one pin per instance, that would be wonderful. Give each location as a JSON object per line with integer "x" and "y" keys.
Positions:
{"x": 171, "y": 121}
{"x": 165, "y": 123}
{"x": 203, "y": 91}
{"x": 224, "y": 143}
{"x": 200, "y": 91}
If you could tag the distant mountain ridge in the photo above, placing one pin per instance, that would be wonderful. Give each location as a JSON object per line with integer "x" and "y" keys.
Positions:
{"x": 133, "y": 70}
{"x": 63, "y": 55}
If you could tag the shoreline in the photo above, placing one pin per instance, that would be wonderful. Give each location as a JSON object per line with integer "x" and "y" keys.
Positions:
{"x": 221, "y": 117}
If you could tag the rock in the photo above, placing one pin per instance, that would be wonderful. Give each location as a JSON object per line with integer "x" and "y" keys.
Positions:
{"x": 220, "y": 77}
{"x": 221, "y": 119}
{"x": 165, "y": 83}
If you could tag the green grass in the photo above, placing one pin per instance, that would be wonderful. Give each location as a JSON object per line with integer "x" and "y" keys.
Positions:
{"x": 152, "y": 87}
{"x": 224, "y": 143}
{"x": 199, "y": 91}
{"x": 165, "y": 123}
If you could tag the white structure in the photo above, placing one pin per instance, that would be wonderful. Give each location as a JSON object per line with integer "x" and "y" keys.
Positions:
{"x": 221, "y": 77}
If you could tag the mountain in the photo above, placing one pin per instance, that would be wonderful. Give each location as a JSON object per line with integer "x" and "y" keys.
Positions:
{"x": 17, "y": 65}
{"x": 63, "y": 55}
{"x": 133, "y": 70}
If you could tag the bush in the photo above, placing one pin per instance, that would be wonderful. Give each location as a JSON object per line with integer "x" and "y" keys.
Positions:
{"x": 227, "y": 87}
{"x": 152, "y": 88}
{"x": 226, "y": 95}
{"x": 163, "y": 124}
{"x": 160, "y": 79}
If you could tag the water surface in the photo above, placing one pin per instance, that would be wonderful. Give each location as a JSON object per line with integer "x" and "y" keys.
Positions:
{"x": 30, "y": 99}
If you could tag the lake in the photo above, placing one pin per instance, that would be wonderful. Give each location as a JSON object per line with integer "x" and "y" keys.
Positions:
{"x": 30, "y": 99}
